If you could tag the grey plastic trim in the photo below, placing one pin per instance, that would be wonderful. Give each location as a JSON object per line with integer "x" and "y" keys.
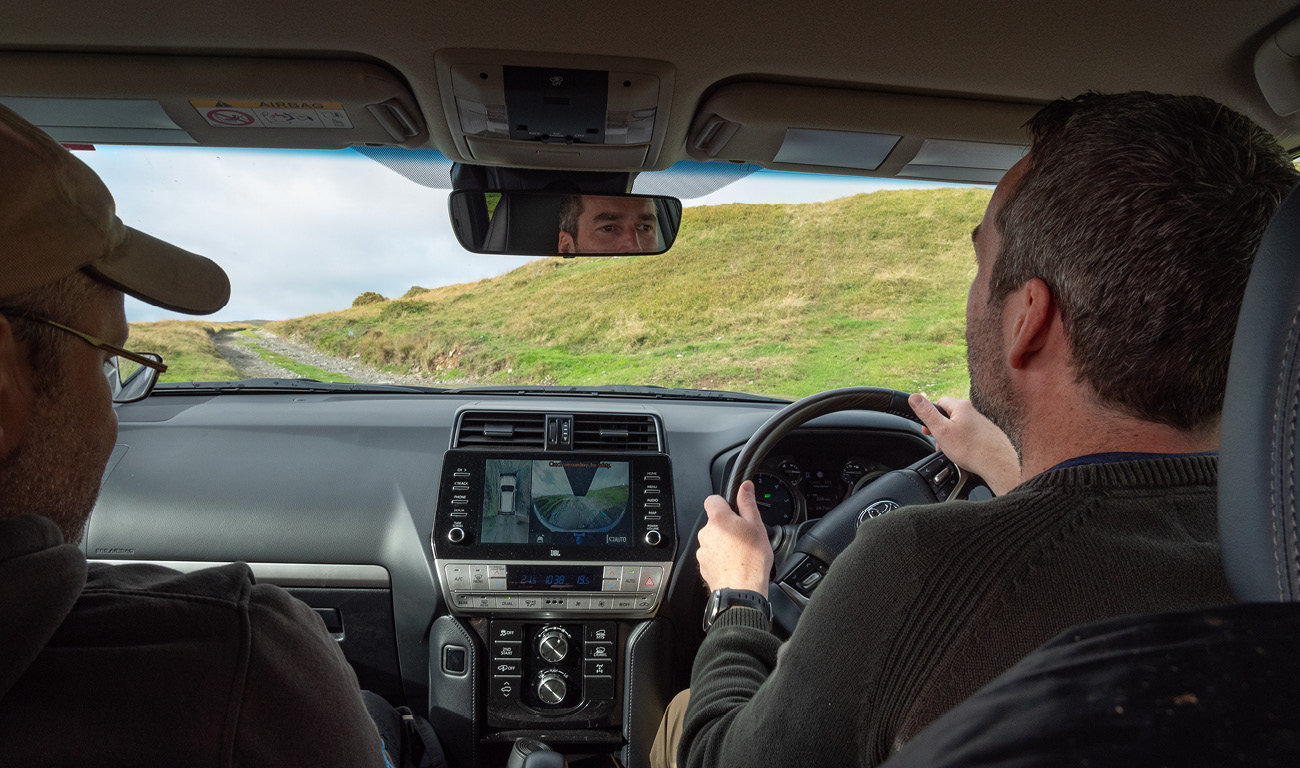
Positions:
{"x": 288, "y": 574}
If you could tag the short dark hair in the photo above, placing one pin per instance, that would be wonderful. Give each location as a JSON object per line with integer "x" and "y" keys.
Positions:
{"x": 1142, "y": 212}
{"x": 61, "y": 301}
{"x": 570, "y": 211}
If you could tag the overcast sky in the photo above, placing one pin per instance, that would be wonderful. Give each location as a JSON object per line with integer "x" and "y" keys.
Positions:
{"x": 302, "y": 232}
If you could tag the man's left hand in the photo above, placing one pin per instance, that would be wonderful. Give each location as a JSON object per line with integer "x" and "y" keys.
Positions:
{"x": 734, "y": 551}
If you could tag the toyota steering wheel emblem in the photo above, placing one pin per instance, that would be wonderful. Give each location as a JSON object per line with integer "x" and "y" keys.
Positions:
{"x": 877, "y": 509}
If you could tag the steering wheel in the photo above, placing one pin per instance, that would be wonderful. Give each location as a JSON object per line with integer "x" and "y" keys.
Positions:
{"x": 805, "y": 551}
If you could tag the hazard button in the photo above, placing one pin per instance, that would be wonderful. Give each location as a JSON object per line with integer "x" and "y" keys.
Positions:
{"x": 651, "y": 575}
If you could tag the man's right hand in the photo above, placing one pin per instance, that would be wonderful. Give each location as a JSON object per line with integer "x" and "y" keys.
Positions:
{"x": 972, "y": 441}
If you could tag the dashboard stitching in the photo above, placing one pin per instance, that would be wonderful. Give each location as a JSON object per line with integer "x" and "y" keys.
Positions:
{"x": 632, "y": 641}
{"x": 473, "y": 687}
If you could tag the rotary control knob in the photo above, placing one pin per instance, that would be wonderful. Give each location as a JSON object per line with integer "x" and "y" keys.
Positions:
{"x": 456, "y": 535}
{"x": 551, "y": 688}
{"x": 553, "y": 646}
{"x": 653, "y": 538}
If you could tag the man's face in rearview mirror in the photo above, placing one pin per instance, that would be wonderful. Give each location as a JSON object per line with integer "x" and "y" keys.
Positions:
{"x": 608, "y": 224}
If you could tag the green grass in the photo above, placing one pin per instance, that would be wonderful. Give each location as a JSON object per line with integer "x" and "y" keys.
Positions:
{"x": 779, "y": 299}
{"x": 186, "y": 347}
{"x": 289, "y": 364}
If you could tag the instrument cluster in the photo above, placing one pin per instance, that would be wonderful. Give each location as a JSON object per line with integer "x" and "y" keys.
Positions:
{"x": 809, "y": 475}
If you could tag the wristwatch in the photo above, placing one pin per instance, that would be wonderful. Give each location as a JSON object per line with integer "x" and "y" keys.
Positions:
{"x": 723, "y": 599}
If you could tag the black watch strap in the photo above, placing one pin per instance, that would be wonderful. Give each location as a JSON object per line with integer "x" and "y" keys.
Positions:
{"x": 723, "y": 599}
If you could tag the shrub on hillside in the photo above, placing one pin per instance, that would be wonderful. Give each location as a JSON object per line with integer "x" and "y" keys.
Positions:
{"x": 414, "y": 290}
{"x": 402, "y": 307}
{"x": 369, "y": 297}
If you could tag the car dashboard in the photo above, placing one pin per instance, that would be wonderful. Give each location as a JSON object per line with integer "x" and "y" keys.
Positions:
{"x": 510, "y": 565}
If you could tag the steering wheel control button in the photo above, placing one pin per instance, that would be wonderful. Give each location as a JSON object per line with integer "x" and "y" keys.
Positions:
{"x": 810, "y": 580}
{"x": 553, "y": 645}
{"x": 943, "y": 475}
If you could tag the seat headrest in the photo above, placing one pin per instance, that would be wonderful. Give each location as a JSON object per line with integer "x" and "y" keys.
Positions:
{"x": 1259, "y": 462}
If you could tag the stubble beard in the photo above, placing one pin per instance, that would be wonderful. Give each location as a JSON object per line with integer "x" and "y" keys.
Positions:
{"x": 55, "y": 472}
{"x": 990, "y": 382}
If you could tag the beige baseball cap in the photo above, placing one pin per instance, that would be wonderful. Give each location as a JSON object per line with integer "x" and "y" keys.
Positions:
{"x": 56, "y": 216}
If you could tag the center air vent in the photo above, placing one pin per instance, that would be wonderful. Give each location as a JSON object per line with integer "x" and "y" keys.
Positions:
{"x": 520, "y": 430}
{"x": 592, "y": 431}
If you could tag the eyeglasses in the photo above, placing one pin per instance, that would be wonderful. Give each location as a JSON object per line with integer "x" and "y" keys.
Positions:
{"x": 131, "y": 375}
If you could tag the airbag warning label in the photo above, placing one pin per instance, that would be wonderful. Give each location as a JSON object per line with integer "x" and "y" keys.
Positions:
{"x": 272, "y": 113}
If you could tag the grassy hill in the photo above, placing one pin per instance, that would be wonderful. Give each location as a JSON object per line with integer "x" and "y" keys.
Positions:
{"x": 186, "y": 347}
{"x": 780, "y": 299}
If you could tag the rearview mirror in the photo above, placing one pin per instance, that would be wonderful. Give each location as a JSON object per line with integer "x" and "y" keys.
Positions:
{"x": 556, "y": 224}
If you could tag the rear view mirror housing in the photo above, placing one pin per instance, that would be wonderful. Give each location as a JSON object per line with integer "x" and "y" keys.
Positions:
{"x": 563, "y": 224}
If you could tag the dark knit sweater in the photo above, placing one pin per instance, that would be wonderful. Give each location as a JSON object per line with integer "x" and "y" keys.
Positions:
{"x": 930, "y": 603}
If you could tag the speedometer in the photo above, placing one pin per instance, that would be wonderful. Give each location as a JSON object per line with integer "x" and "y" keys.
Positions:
{"x": 776, "y": 499}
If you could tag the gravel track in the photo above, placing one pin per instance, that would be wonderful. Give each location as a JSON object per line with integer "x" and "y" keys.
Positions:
{"x": 235, "y": 348}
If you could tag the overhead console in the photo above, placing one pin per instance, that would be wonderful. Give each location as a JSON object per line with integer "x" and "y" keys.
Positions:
{"x": 211, "y": 101}
{"x": 534, "y": 110}
{"x": 834, "y": 130}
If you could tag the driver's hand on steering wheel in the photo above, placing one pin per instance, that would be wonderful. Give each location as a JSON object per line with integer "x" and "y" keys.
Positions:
{"x": 734, "y": 550}
{"x": 970, "y": 440}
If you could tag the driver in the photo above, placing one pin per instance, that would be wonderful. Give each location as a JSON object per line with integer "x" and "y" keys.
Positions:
{"x": 1111, "y": 263}
{"x": 608, "y": 224}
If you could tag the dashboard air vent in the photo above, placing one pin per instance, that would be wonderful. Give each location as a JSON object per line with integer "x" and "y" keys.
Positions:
{"x": 598, "y": 431}
{"x": 520, "y": 430}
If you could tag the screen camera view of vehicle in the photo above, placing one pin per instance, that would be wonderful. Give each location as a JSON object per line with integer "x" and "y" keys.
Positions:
{"x": 556, "y": 502}
{"x": 562, "y": 224}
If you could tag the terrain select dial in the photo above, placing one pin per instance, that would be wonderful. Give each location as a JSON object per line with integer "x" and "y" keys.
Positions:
{"x": 551, "y": 688}
{"x": 553, "y": 646}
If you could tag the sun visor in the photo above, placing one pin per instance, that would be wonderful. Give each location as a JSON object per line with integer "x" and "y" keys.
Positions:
{"x": 210, "y": 101}
{"x": 529, "y": 110}
{"x": 865, "y": 133}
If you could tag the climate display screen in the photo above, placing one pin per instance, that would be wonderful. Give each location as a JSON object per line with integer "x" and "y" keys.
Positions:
{"x": 583, "y": 502}
{"x": 575, "y": 577}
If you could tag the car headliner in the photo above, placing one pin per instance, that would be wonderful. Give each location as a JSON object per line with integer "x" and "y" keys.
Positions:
{"x": 1021, "y": 51}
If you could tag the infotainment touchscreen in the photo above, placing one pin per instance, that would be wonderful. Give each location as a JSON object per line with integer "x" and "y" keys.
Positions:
{"x": 563, "y": 501}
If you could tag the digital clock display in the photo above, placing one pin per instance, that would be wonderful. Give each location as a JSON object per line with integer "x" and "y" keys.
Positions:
{"x": 576, "y": 578}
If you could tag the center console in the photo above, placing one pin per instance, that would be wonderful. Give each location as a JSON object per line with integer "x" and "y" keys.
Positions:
{"x": 553, "y": 562}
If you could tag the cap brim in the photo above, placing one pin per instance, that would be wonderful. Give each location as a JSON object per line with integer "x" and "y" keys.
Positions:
{"x": 161, "y": 274}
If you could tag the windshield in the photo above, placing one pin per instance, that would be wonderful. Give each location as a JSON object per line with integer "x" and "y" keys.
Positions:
{"x": 343, "y": 270}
